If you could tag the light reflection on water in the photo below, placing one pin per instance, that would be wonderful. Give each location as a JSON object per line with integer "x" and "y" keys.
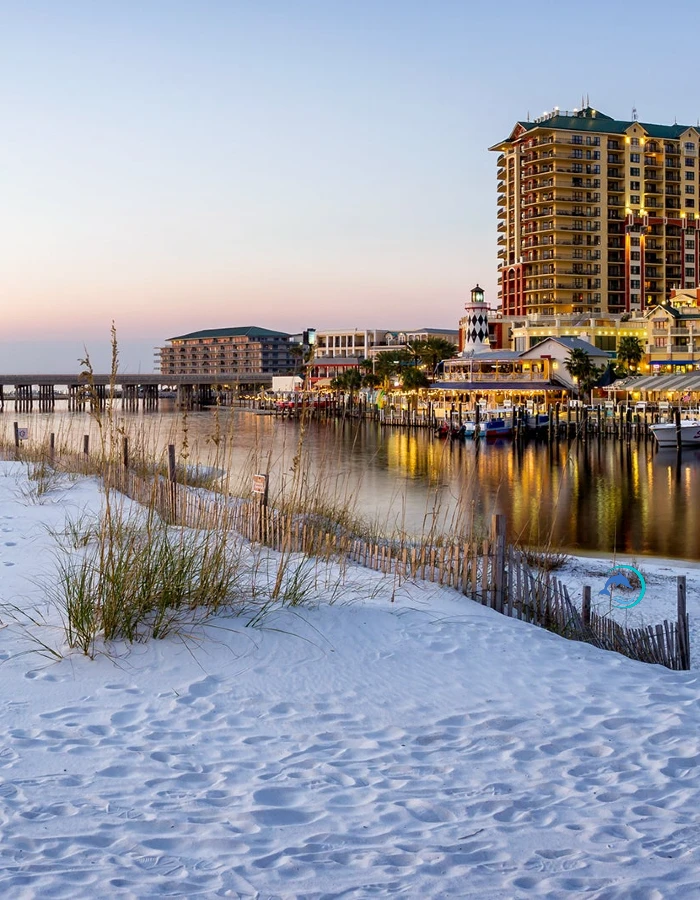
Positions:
{"x": 604, "y": 496}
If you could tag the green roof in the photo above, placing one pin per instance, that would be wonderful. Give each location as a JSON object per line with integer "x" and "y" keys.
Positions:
{"x": 592, "y": 120}
{"x": 251, "y": 331}
{"x": 674, "y": 311}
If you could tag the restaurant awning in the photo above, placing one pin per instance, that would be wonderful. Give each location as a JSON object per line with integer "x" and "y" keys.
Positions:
{"x": 504, "y": 386}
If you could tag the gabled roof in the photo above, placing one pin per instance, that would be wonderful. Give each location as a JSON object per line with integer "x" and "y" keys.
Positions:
{"x": 571, "y": 343}
{"x": 251, "y": 331}
{"x": 594, "y": 121}
{"x": 454, "y": 331}
{"x": 674, "y": 311}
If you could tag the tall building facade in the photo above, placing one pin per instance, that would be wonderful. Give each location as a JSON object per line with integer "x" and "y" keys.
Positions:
{"x": 227, "y": 351}
{"x": 595, "y": 214}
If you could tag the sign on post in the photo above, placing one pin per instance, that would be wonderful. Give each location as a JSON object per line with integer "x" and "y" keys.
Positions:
{"x": 23, "y": 434}
{"x": 260, "y": 487}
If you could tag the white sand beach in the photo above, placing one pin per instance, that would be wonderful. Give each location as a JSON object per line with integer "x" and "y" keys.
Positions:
{"x": 422, "y": 748}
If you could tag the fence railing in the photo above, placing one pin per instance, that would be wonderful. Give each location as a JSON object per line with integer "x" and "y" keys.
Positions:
{"x": 488, "y": 571}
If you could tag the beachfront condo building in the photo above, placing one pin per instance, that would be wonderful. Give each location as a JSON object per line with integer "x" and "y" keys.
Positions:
{"x": 595, "y": 214}
{"x": 228, "y": 351}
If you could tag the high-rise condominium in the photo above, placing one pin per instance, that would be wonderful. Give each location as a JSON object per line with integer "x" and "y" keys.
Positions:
{"x": 596, "y": 215}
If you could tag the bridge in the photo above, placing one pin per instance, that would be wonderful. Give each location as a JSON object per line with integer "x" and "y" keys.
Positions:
{"x": 191, "y": 391}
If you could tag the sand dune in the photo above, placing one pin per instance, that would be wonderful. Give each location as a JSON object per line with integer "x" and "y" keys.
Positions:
{"x": 427, "y": 748}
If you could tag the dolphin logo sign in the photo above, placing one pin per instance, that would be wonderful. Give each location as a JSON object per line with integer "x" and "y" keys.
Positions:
{"x": 617, "y": 579}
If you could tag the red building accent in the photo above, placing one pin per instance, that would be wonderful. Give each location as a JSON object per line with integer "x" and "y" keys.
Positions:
{"x": 513, "y": 290}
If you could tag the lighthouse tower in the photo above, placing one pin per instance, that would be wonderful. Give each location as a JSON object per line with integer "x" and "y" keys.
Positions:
{"x": 475, "y": 324}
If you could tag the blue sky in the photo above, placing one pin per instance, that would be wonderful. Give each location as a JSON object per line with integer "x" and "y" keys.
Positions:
{"x": 177, "y": 165}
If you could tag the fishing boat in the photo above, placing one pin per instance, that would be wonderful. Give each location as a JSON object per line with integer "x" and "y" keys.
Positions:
{"x": 667, "y": 435}
{"x": 498, "y": 428}
{"x": 465, "y": 430}
{"x": 443, "y": 429}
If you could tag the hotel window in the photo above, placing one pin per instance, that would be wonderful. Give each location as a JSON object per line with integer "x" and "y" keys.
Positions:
{"x": 635, "y": 157}
{"x": 634, "y": 198}
{"x": 690, "y": 188}
{"x": 634, "y": 185}
{"x": 689, "y": 161}
{"x": 635, "y": 172}
{"x": 635, "y": 142}
{"x": 635, "y": 284}
{"x": 690, "y": 272}
{"x": 635, "y": 270}
{"x": 635, "y": 254}
{"x": 635, "y": 241}
{"x": 689, "y": 147}
{"x": 690, "y": 204}
{"x": 577, "y": 154}
{"x": 690, "y": 242}
{"x": 690, "y": 257}
{"x": 690, "y": 176}
{"x": 576, "y": 139}
{"x": 660, "y": 342}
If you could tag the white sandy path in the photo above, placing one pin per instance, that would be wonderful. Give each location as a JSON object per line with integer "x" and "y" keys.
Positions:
{"x": 429, "y": 748}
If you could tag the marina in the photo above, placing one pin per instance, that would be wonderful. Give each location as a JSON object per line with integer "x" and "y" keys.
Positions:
{"x": 587, "y": 494}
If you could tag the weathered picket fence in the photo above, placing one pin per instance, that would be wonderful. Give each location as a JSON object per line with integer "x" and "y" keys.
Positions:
{"x": 490, "y": 571}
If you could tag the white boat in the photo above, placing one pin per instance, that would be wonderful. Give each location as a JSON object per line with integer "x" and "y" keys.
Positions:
{"x": 666, "y": 435}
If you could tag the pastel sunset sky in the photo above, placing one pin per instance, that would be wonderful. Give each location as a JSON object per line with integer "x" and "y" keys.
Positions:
{"x": 181, "y": 165}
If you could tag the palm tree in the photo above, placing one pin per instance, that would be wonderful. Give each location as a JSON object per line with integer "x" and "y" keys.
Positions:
{"x": 388, "y": 365}
{"x": 431, "y": 351}
{"x": 630, "y": 352}
{"x": 349, "y": 381}
{"x": 580, "y": 367}
{"x": 413, "y": 379}
{"x": 302, "y": 354}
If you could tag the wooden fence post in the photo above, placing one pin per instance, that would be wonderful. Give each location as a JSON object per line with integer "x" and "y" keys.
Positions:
{"x": 586, "y": 606}
{"x": 125, "y": 452}
{"x": 683, "y": 624}
{"x": 498, "y": 540}
{"x": 52, "y": 447}
{"x": 16, "y": 427}
{"x": 86, "y": 450}
{"x": 172, "y": 478}
{"x": 260, "y": 488}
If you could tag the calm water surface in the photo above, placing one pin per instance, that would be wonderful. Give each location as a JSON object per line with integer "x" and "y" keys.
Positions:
{"x": 604, "y": 496}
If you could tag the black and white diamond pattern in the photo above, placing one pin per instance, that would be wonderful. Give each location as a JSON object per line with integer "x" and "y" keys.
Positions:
{"x": 477, "y": 330}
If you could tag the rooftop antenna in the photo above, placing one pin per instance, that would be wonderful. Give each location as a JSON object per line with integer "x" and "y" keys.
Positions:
{"x": 588, "y": 99}
{"x": 634, "y": 113}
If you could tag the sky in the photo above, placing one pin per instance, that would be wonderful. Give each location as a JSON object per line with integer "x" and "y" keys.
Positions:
{"x": 171, "y": 166}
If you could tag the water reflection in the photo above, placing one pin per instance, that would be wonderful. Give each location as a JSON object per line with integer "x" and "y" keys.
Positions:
{"x": 601, "y": 496}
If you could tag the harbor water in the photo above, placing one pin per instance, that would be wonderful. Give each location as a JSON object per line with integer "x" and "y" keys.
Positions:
{"x": 603, "y": 496}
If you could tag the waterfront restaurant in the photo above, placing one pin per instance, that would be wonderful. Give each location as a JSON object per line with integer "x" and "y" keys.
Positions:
{"x": 501, "y": 378}
{"x": 658, "y": 392}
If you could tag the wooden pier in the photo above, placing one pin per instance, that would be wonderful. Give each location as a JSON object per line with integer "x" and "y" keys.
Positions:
{"x": 133, "y": 391}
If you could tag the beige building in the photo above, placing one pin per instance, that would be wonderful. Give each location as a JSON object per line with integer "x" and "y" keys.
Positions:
{"x": 596, "y": 215}
{"x": 338, "y": 351}
{"x": 363, "y": 344}
{"x": 227, "y": 351}
{"x": 673, "y": 345}
{"x": 604, "y": 332}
